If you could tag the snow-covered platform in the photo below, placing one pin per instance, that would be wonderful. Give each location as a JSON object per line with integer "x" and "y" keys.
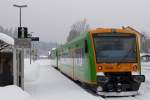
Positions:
{"x": 13, "y": 92}
{"x": 52, "y": 85}
{"x": 43, "y": 82}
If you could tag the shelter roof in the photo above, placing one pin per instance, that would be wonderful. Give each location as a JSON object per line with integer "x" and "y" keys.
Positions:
{"x": 6, "y": 39}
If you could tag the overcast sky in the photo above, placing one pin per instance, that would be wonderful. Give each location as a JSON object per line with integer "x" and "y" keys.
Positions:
{"x": 51, "y": 19}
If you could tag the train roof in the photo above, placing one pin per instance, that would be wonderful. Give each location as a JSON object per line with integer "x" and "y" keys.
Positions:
{"x": 101, "y": 30}
{"x": 122, "y": 30}
{"x": 82, "y": 36}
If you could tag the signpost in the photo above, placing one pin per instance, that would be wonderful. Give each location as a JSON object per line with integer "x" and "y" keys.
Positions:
{"x": 22, "y": 32}
{"x": 34, "y": 38}
{"x": 23, "y": 43}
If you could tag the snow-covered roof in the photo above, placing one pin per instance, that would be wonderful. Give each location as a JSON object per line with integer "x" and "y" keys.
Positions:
{"x": 6, "y": 38}
{"x": 49, "y": 52}
{"x": 143, "y": 54}
{"x": 53, "y": 48}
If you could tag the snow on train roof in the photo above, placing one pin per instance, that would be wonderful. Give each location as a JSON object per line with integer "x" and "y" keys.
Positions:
{"x": 6, "y": 38}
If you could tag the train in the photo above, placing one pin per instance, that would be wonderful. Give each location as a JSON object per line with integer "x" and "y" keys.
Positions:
{"x": 107, "y": 60}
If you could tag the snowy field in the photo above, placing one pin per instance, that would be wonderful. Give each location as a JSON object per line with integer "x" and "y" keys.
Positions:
{"x": 43, "y": 82}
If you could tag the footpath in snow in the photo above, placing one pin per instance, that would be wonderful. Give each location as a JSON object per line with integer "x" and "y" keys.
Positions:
{"x": 51, "y": 84}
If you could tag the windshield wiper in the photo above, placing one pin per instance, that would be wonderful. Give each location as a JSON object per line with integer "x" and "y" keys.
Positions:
{"x": 124, "y": 57}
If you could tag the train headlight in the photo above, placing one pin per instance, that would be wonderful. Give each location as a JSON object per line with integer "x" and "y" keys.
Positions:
{"x": 134, "y": 68}
{"x": 100, "y": 67}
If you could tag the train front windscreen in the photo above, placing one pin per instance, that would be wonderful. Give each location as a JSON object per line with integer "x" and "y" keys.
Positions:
{"x": 115, "y": 49}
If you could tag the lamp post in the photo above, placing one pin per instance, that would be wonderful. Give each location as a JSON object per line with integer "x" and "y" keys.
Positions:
{"x": 20, "y": 53}
{"x": 20, "y": 6}
{"x": 30, "y": 48}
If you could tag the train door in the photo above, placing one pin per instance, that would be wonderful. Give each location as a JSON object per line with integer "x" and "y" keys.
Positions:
{"x": 77, "y": 62}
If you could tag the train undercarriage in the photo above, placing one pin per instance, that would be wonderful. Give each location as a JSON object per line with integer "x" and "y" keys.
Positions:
{"x": 119, "y": 84}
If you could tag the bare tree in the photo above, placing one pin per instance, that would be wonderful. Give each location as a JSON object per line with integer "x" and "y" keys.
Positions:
{"x": 15, "y": 33}
{"x": 8, "y": 31}
{"x": 77, "y": 29}
{"x": 1, "y": 29}
{"x": 145, "y": 39}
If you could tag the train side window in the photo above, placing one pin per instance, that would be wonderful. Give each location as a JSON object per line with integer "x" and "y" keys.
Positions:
{"x": 86, "y": 46}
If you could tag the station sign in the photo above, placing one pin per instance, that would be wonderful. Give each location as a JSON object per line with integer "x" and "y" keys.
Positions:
{"x": 22, "y": 32}
{"x": 34, "y": 38}
{"x": 23, "y": 43}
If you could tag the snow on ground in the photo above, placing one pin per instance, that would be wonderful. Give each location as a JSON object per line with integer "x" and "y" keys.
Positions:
{"x": 13, "y": 92}
{"x": 31, "y": 71}
{"x": 49, "y": 84}
{"x": 146, "y": 65}
{"x": 52, "y": 85}
{"x": 145, "y": 87}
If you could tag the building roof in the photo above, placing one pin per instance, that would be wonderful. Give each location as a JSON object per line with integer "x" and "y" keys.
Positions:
{"x": 145, "y": 54}
{"x": 6, "y": 39}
